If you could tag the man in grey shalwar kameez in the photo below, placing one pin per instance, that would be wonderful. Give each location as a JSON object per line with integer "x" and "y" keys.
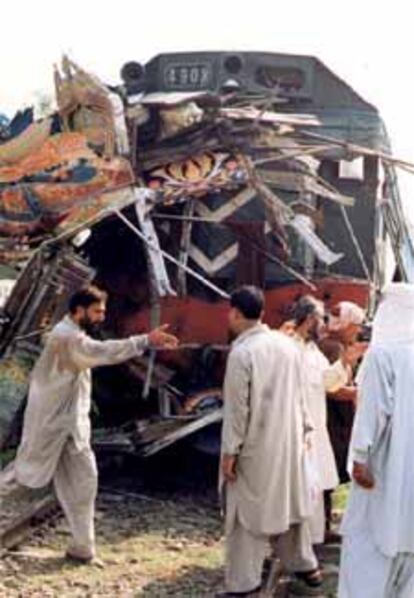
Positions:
{"x": 55, "y": 442}
{"x": 263, "y": 445}
{"x": 377, "y": 558}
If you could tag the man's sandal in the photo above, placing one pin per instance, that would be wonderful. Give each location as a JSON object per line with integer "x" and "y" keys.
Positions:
{"x": 312, "y": 578}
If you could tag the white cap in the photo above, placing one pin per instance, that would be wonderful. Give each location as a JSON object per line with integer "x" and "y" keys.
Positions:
{"x": 350, "y": 313}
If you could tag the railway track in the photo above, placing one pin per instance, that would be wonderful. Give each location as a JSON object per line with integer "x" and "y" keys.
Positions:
{"x": 21, "y": 509}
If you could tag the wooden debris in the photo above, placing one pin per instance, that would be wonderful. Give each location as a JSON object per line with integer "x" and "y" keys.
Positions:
{"x": 21, "y": 525}
{"x": 21, "y": 508}
{"x": 180, "y": 430}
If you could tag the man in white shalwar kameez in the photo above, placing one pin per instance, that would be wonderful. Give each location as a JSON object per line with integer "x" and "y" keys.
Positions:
{"x": 55, "y": 443}
{"x": 377, "y": 558}
{"x": 263, "y": 445}
{"x": 319, "y": 377}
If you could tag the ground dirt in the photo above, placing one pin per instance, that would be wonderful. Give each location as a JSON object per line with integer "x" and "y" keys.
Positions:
{"x": 159, "y": 533}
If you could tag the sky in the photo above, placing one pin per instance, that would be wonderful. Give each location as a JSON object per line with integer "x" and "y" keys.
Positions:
{"x": 368, "y": 45}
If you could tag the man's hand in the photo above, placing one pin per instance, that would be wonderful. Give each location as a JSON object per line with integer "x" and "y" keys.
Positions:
{"x": 228, "y": 467}
{"x": 160, "y": 339}
{"x": 362, "y": 476}
{"x": 344, "y": 394}
{"x": 353, "y": 353}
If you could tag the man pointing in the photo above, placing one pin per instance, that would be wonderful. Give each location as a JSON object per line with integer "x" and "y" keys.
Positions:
{"x": 55, "y": 442}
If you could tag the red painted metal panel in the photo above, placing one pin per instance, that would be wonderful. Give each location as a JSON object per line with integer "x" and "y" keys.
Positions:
{"x": 197, "y": 321}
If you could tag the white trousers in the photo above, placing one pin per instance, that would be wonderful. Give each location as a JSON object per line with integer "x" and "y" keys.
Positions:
{"x": 75, "y": 481}
{"x": 367, "y": 573}
{"x": 76, "y": 485}
{"x": 317, "y": 521}
{"x": 245, "y": 553}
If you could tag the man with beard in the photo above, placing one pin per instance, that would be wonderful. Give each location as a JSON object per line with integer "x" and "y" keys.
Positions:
{"x": 320, "y": 377}
{"x": 55, "y": 443}
{"x": 263, "y": 443}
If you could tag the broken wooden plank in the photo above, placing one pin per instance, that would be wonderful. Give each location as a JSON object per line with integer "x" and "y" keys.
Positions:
{"x": 170, "y": 258}
{"x": 169, "y": 98}
{"x": 185, "y": 429}
{"x": 19, "y": 527}
{"x": 20, "y": 507}
{"x": 152, "y": 431}
{"x": 185, "y": 243}
{"x": 250, "y": 113}
{"x": 303, "y": 183}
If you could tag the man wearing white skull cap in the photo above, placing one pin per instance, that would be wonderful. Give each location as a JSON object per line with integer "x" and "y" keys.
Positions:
{"x": 378, "y": 548}
{"x": 344, "y": 326}
{"x": 346, "y": 315}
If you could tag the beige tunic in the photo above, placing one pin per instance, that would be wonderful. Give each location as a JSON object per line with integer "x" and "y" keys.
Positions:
{"x": 60, "y": 397}
{"x": 264, "y": 425}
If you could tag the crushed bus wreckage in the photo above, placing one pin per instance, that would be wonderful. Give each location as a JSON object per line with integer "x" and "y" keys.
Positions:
{"x": 200, "y": 172}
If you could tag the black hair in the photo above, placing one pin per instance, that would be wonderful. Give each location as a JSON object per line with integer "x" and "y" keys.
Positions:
{"x": 249, "y": 300}
{"x": 305, "y": 306}
{"x": 85, "y": 297}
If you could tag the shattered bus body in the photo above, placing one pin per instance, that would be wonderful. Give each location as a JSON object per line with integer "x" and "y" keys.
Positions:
{"x": 200, "y": 172}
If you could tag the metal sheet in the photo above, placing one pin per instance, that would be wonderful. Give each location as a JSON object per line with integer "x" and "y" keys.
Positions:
{"x": 302, "y": 183}
{"x": 303, "y": 226}
{"x": 308, "y": 120}
{"x": 170, "y": 98}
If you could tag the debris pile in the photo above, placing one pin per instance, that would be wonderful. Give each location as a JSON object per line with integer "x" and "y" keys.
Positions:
{"x": 199, "y": 172}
